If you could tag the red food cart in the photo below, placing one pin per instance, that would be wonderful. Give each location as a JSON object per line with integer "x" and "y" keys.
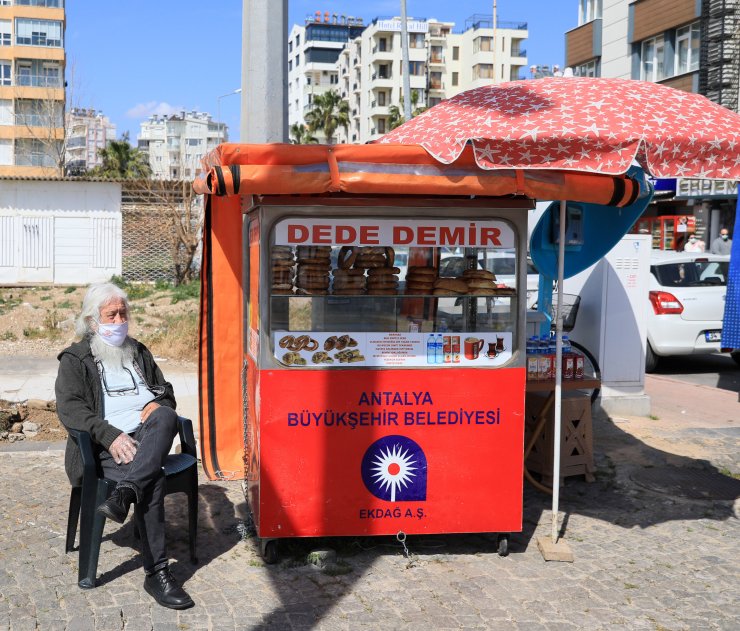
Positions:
{"x": 361, "y": 367}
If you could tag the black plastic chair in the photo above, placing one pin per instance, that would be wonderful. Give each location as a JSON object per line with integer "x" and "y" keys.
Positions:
{"x": 181, "y": 471}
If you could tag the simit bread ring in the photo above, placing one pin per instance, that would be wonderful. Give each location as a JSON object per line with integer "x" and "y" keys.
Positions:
{"x": 286, "y": 341}
{"x": 383, "y": 271}
{"x": 390, "y": 256}
{"x": 348, "y": 272}
{"x": 346, "y": 257}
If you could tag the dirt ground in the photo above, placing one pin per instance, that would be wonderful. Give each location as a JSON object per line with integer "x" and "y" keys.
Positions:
{"x": 39, "y": 321}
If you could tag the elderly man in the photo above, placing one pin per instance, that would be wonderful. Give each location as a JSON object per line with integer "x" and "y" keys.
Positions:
{"x": 109, "y": 385}
{"x": 722, "y": 244}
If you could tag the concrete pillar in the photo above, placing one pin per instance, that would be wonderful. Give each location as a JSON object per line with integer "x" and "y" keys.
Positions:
{"x": 264, "y": 115}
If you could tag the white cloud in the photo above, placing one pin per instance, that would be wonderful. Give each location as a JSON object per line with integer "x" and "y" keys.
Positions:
{"x": 145, "y": 110}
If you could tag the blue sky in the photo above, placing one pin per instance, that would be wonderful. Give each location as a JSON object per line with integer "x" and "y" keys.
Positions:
{"x": 132, "y": 58}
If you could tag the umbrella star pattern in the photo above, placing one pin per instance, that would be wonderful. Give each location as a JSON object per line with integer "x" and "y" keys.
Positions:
{"x": 592, "y": 125}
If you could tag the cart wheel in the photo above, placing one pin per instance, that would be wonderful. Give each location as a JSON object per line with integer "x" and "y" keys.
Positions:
{"x": 269, "y": 551}
{"x": 503, "y": 545}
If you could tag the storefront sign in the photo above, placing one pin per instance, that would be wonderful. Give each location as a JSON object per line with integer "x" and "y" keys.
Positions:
{"x": 390, "y": 232}
{"x": 412, "y": 26}
{"x": 713, "y": 189}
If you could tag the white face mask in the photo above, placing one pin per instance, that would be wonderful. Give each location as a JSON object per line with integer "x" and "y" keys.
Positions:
{"x": 113, "y": 334}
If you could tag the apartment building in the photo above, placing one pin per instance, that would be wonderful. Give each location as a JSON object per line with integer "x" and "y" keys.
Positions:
{"x": 691, "y": 45}
{"x": 88, "y": 132}
{"x": 32, "y": 92}
{"x": 442, "y": 63}
{"x": 176, "y": 143}
{"x": 313, "y": 52}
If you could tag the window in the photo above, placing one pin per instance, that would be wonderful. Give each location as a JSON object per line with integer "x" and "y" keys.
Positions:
{"x": 194, "y": 142}
{"x": 687, "y": 49}
{"x": 483, "y": 71}
{"x": 381, "y": 125}
{"x": 455, "y": 78}
{"x": 6, "y": 112}
{"x": 586, "y": 70}
{"x": 381, "y": 98}
{"x": 6, "y": 152}
{"x": 482, "y": 44}
{"x": 290, "y": 65}
{"x": 290, "y": 47}
{"x": 33, "y": 153}
{"x": 653, "y": 52}
{"x": 297, "y": 40}
{"x": 384, "y": 72}
{"x": 5, "y": 37}
{"x": 38, "y": 33}
{"x": 334, "y": 79}
{"x": 416, "y": 40}
{"x": 382, "y": 44}
{"x": 52, "y": 4}
{"x": 417, "y": 68}
{"x": 588, "y": 10}
{"x": 5, "y": 73}
{"x": 455, "y": 53}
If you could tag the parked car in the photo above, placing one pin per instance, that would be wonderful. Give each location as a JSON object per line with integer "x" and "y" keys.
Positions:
{"x": 687, "y": 303}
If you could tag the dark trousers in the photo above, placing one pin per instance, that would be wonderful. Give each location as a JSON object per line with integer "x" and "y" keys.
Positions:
{"x": 145, "y": 476}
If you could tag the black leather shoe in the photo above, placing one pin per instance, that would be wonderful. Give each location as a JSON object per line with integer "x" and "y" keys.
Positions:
{"x": 165, "y": 589}
{"x": 117, "y": 505}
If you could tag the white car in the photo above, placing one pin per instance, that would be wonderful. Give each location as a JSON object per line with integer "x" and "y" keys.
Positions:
{"x": 687, "y": 303}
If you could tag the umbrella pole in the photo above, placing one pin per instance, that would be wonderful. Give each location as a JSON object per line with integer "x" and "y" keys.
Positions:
{"x": 550, "y": 547}
{"x": 558, "y": 377}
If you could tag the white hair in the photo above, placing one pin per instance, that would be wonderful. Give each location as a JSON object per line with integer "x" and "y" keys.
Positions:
{"x": 98, "y": 295}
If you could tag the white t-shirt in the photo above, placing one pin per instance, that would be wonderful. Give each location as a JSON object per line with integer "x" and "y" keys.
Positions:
{"x": 125, "y": 394}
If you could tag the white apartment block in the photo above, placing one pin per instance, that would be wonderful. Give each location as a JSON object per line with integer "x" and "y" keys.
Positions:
{"x": 88, "y": 132}
{"x": 175, "y": 144}
{"x": 367, "y": 71}
{"x": 313, "y": 51}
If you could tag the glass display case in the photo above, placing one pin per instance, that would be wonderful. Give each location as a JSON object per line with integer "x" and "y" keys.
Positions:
{"x": 396, "y": 292}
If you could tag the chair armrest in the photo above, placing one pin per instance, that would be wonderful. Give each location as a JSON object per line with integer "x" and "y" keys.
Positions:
{"x": 84, "y": 442}
{"x": 187, "y": 438}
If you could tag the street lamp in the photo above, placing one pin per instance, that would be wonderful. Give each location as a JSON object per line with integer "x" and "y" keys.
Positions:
{"x": 218, "y": 103}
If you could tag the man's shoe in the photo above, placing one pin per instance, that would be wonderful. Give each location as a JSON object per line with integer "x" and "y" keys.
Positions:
{"x": 117, "y": 505}
{"x": 165, "y": 589}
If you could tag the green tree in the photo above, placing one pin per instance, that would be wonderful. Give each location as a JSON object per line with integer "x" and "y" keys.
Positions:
{"x": 122, "y": 161}
{"x": 300, "y": 135}
{"x": 329, "y": 113}
{"x": 396, "y": 117}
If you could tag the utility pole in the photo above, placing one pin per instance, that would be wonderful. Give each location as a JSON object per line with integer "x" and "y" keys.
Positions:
{"x": 264, "y": 71}
{"x": 405, "y": 64}
{"x": 493, "y": 41}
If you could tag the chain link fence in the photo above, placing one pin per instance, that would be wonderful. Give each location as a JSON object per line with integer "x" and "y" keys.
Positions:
{"x": 150, "y": 245}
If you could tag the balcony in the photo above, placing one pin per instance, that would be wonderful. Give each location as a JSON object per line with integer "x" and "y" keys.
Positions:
{"x": 38, "y": 120}
{"x": 38, "y": 81}
{"x": 519, "y": 53}
{"x": 436, "y": 85}
{"x": 437, "y": 60}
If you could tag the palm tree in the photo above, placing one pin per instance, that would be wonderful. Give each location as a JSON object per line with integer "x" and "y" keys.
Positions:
{"x": 122, "y": 161}
{"x": 301, "y": 135}
{"x": 329, "y": 112}
{"x": 395, "y": 112}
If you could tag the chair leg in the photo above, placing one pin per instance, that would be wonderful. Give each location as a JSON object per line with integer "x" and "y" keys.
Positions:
{"x": 193, "y": 517}
{"x": 91, "y": 534}
{"x": 75, "y": 499}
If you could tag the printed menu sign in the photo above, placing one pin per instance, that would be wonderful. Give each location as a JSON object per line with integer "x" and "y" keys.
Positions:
{"x": 400, "y": 349}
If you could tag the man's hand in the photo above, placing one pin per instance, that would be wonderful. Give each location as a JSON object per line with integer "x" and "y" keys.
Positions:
{"x": 123, "y": 449}
{"x": 148, "y": 409}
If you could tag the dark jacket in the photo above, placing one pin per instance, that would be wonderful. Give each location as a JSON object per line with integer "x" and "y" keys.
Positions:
{"x": 79, "y": 395}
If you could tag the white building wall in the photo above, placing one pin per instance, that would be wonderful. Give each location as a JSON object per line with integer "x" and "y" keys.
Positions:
{"x": 615, "y": 47}
{"x": 59, "y": 232}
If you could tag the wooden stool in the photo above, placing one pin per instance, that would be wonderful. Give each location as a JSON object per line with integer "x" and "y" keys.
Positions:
{"x": 576, "y": 447}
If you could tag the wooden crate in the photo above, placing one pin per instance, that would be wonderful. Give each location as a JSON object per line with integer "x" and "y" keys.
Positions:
{"x": 576, "y": 447}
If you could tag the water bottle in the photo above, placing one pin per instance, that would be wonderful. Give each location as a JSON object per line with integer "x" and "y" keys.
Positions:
{"x": 566, "y": 344}
{"x": 442, "y": 327}
{"x": 431, "y": 349}
{"x": 439, "y": 354}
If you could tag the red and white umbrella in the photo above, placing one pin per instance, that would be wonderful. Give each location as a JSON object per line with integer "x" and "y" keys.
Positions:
{"x": 592, "y": 125}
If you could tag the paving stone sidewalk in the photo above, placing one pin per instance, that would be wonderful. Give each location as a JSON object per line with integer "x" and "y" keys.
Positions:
{"x": 644, "y": 559}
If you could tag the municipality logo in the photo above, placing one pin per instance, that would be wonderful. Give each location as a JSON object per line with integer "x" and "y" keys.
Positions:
{"x": 394, "y": 469}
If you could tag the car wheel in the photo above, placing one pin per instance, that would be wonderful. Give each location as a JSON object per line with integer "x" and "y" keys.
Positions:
{"x": 736, "y": 356}
{"x": 651, "y": 359}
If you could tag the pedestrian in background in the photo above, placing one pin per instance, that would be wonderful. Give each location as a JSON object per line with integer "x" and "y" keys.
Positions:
{"x": 694, "y": 244}
{"x": 722, "y": 244}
